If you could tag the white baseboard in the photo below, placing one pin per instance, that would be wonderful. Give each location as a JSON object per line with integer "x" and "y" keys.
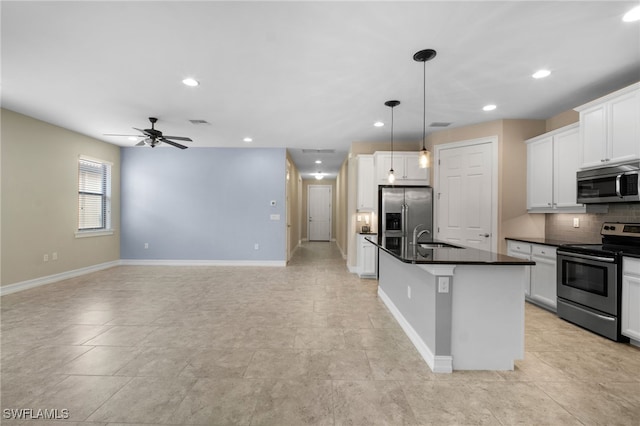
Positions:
{"x": 438, "y": 364}
{"x": 169, "y": 262}
{"x": 49, "y": 279}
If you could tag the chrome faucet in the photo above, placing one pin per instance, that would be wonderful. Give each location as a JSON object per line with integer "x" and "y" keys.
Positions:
{"x": 417, "y": 235}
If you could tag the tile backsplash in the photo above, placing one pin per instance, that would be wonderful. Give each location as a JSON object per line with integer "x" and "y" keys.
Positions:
{"x": 560, "y": 226}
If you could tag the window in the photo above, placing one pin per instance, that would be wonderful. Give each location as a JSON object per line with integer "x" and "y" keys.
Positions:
{"x": 94, "y": 196}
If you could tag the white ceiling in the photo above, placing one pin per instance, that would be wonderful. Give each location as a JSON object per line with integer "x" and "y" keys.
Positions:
{"x": 307, "y": 75}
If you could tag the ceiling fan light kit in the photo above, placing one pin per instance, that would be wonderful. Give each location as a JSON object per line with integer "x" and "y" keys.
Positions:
{"x": 153, "y": 137}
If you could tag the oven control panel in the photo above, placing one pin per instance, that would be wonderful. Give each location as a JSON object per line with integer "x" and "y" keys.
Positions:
{"x": 621, "y": 229}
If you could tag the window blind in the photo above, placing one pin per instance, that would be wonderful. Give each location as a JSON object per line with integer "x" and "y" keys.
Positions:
{"x": 92, "y": 195}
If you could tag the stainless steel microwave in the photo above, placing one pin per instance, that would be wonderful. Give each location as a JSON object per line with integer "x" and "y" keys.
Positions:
{"x": 612, "y": 184}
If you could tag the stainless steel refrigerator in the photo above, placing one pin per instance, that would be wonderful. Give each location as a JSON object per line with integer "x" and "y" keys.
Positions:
{"x": 402, "y": 209}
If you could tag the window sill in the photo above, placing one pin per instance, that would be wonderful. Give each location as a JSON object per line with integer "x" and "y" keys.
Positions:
{"x": 86, "y": 234}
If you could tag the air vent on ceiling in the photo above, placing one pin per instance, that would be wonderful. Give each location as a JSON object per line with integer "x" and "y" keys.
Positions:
{"x": 439, "y": 124}
{"x": 318, "y": 151}
{"x": 199, "y": 122}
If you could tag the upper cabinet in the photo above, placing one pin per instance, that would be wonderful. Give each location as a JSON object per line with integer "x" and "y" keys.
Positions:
{"x": 406, "y": 168}
{"x": 610, "y": 128}
{"x": 366, "y": 185}
{"x": 551, "y": 171}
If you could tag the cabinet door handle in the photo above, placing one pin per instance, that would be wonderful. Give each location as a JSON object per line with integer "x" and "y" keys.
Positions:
{"x": 486, "y": 236}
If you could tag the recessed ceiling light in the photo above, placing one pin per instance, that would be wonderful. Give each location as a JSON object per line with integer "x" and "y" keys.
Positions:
{"x": 191, "y": 82}
{"x": 318, "y": 161}
{"x": 488, "y": 107}
{"x": 633, "y": 15}
{"x": 541, "y": 74}
{"x": 247, "y": 140}
{"x": 378, "y": 124}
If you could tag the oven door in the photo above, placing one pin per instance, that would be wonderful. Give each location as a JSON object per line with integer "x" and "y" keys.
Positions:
{"x": 591, "y": 281}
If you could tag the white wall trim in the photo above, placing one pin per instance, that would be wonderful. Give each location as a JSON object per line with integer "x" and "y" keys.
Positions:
{"x": 438, "y": 364}
{"x": 49, "y": 279}
{"x": 180, "y": 262}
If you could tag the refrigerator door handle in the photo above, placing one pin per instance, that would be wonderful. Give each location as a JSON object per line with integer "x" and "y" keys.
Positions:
{"x": 405, "y": 214}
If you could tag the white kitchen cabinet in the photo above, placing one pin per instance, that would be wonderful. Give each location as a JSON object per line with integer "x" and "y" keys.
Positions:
{"x": 630, "y": 322}
{"x": 521, "y": 251}
{"x": 405, "y": 166}
{"x": 610, "y": 128}
{"x": 552, "y": 164}
{"x": 366, "y": 185}
{"x": 543, "y": 276}
{"x": 367, "y": 257}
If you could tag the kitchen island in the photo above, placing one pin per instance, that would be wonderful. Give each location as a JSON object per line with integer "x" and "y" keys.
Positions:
{"x": 462, "y": 308}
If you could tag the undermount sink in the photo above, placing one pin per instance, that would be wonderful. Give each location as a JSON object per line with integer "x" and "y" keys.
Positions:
{"x": 438, "y": 245}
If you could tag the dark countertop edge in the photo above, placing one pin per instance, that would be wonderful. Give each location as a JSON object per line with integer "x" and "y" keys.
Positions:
{"x": 515, "y": 262}
{"x": 368, "y": 233}
{"x": 544, "y": 241}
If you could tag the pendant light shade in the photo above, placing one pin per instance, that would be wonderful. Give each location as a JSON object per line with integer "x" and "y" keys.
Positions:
{"x": 424, "y": 56}
{"x": 391, "y": 177}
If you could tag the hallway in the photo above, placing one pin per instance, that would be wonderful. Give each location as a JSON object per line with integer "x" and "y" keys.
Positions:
{"x": 306, "y": 344}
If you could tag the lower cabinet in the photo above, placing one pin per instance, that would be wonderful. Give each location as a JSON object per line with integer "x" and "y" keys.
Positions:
{"x": 521, "y": 251}
{"x": 543, "y": 276}
{"x": 630, "y": 323}
{"x": 540, "y": 287}
{"x": 367, "y": 257}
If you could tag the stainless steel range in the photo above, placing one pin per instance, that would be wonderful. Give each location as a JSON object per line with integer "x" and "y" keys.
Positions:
{"x": 590, "y": 279}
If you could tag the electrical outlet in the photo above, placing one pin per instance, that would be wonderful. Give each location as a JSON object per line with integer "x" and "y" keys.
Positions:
{"x": 146, "y": 245}
{"x": 408, "y": 292}
{"x": 54, "y": 255}
{"x": 576, "y": 222}
{"x": 256, "y": 246}
{"x": 443, "y": 285}
{"x": 45, "y": 258}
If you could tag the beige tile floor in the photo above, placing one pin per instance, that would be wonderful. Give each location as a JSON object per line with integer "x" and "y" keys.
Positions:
{"x": 306, "y": 344}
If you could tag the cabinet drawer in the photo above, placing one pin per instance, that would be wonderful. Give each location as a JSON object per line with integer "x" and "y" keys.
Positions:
{"x": 631, "y": 266}
{"x": 543, "y": 251}
{"x": 519, "y": 247}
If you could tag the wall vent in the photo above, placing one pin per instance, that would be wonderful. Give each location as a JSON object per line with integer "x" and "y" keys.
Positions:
{"x": 198, "y": 122}
{"x": 439, "y": 124}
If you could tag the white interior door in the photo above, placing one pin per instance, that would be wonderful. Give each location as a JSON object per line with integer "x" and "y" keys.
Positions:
{"x": 319, "y": 209}
{"x": 465, "y": 194}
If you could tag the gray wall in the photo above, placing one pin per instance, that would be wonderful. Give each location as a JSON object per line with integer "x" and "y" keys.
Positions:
{"x": 203, "y": 204}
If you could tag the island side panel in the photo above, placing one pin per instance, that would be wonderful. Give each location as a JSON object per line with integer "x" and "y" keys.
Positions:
{"x": 487, "y": 317}
{"x": 415, "y": 314}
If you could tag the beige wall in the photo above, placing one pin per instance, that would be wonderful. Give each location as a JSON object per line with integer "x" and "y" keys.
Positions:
{"x": 40, "y": 202}
{"x": 305, "y": 203}
{"x": 561, "y": 120}
{"x": 341, "y": 208}
{"x": 294, "y": 205}
{"x": 513, "y": 219}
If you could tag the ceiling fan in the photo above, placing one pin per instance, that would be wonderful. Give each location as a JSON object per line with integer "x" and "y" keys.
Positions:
{"x": 153, "y": 137}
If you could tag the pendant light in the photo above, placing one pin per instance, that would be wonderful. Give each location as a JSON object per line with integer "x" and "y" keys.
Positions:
{"x": 392, "y": 104}
{"x": 424, "y": 56}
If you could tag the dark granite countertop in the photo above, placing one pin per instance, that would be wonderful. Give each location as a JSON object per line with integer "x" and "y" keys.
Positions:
{"x": 368, "y": 233}
{"x": 449, "y": 256}
{"x": 544, "y": 241}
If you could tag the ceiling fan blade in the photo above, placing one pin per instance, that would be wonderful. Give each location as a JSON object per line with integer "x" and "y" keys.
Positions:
{"x": 177, "y": 145}
{"x": 114, "y": 134}
{"x": 141, "y": 143}
{"x": 178, "y": 138}
{"x": 144, "y": 132}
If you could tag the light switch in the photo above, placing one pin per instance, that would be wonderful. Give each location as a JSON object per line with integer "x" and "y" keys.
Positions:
{"x": 275, "y": 217}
